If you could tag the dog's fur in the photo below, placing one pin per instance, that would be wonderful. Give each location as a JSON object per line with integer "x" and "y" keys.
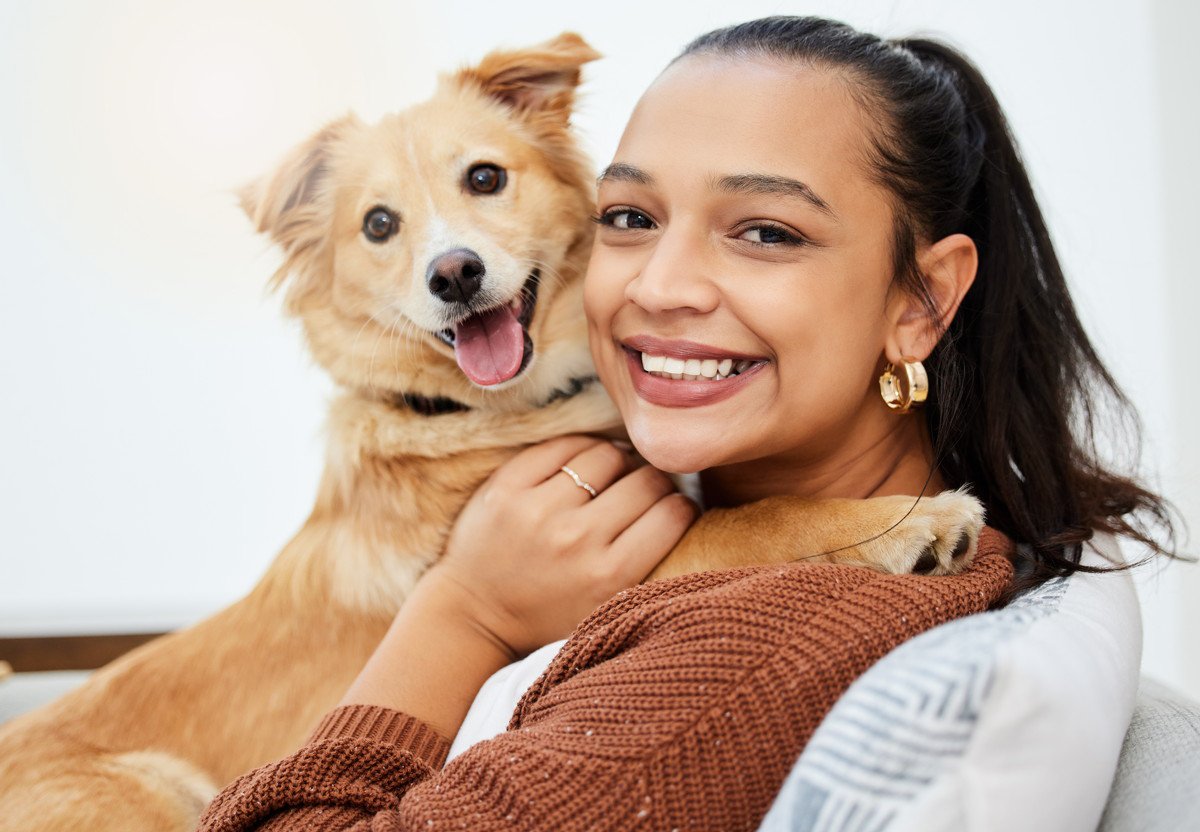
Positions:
{"x": 149, "y": 739}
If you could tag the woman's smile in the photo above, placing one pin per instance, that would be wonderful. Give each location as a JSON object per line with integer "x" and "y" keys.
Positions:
{"x": 666, "y": 377}
{"x": 675, "y": 373}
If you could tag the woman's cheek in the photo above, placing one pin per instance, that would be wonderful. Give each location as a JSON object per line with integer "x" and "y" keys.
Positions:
{"x": 599, "y": 327}
{"x": 603, "y": 292}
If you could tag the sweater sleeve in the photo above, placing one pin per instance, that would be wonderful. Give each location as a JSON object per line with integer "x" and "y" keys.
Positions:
{"x": 349, "y": 775}
{"x": 678, "y": 705}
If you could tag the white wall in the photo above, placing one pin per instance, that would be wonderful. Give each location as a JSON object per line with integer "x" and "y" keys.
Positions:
{"x": 1177, "y": 605}
{"x": 159, "y": 423}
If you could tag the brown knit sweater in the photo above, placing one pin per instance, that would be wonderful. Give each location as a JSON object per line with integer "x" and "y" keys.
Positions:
{"x": 678, "y": 705}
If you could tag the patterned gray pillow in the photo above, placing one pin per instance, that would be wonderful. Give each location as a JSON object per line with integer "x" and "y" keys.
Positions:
{"x": 1007, "y": 720}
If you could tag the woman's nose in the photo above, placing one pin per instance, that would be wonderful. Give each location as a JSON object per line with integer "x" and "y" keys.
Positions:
{"x": 675, "y": 276}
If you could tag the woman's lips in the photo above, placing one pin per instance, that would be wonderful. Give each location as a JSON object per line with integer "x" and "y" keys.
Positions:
{"x": 680, "y": 349}
{"x": 668, "y": 392}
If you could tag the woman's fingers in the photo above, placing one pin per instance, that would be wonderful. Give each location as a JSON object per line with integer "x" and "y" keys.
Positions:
{"x": 537, "y": 463}
{"x": 598, "y": 466}
{"x": 538, "y": 553}
{"x": 639, "y": 548}
{"x": 627, "y": 499}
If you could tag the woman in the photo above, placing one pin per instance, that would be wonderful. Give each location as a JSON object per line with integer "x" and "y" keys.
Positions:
{"x": 818, "y": 206}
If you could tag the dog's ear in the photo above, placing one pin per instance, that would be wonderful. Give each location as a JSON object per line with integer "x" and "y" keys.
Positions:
{"x": 538, "y": 80}
{"x": 287, "y": 203}
{"x": 272, "y": 201}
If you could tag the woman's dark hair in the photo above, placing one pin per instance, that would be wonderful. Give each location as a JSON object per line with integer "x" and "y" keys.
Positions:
{"x": 1017, "y": 391}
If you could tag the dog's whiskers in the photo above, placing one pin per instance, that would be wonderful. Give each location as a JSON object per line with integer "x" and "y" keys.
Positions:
{"x": 548, "y": 271}
{"x": 367, "y": 308}
{"x": 399, "y": 328}
{"x": 367, "y": 320}
{"x": 409, "y": 333}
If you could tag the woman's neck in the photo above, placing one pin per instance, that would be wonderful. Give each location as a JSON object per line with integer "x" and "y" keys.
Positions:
{"x": 896, "y": 459}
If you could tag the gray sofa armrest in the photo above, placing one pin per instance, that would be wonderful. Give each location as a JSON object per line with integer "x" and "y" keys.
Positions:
{"x": 1157, "y": 785}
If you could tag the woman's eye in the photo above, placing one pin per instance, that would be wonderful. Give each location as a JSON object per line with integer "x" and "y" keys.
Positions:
{"x": 380, "y": 224}
{"x": 626, "y": 218}
{"x": 768, "y": 235}
{"x": 486, "y": 179}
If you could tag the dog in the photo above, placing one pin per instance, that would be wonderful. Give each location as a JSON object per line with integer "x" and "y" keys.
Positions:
{"x": 435, "y": 261}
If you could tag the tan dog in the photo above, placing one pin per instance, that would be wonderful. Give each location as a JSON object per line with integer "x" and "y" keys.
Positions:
{"x": 435, "y": 260}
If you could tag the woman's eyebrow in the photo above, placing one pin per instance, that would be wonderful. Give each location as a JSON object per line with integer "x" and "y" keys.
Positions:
{"x": 621, "y": 172}
{"x": 764, "y": 183}
{"x": 742, "y": 183}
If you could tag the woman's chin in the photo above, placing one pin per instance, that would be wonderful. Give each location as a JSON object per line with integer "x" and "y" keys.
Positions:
{"x": 674, "y": 452}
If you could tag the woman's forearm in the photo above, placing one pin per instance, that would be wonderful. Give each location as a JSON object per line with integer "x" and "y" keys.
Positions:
{"x": 432, "y": 661}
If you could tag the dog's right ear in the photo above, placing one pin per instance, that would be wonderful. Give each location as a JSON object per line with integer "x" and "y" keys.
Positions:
{"x": 273, "y": 201}
{"x": 537, "y": 81}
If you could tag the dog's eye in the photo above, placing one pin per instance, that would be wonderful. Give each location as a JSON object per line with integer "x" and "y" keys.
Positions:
{"x": 486, "y": 179}
{"x": 379, "y": 224}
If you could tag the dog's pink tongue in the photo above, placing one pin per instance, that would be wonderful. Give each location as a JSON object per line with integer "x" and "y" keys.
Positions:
{"x": 489, "y": 346}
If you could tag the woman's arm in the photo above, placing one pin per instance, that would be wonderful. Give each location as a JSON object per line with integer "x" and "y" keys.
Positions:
{"x": 529, "y": 557}
{"x": 433, "y": 659}
{"x": 678, "y": 704}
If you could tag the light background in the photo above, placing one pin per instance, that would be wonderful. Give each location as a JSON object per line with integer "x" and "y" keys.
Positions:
{"x": 160, "y": 425}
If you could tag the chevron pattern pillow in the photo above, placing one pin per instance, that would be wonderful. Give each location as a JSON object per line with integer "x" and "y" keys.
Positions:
{"x": 1011, "y": 719}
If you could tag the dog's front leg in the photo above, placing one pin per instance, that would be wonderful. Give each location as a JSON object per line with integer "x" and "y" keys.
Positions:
{"x": 897, "y": 534}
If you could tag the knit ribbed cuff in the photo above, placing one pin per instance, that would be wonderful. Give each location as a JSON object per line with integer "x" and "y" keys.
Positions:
{"x": 384, "y": 725}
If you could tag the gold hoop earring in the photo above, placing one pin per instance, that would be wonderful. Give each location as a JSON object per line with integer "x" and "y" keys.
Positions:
{"x": 917, "y": 389}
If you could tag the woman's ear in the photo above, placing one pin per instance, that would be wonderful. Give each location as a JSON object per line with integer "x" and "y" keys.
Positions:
{"x": 949, "y": 269}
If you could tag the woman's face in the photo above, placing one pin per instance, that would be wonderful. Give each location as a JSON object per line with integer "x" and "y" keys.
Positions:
{"x": 740, "y": 229}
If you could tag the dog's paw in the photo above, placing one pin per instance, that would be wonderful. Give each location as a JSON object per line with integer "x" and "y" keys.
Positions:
{"x": 938, "y": 537}
{"x": 950, "y": 522}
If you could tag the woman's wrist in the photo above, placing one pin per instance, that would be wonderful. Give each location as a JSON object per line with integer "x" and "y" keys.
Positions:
{"x": 471, "y": 609}
{"x": 432, "y": 660}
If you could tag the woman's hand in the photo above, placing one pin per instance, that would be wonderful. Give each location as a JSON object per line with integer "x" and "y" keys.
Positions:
{"x": 532, "y": 553}
{"x": 529, "y": 557}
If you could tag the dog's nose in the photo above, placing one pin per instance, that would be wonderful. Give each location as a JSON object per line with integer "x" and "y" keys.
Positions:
{"x": 455, "y": 275}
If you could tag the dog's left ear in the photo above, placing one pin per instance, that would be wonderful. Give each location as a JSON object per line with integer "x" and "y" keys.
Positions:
{"x": 277, "y": 202}
{"x": 538, "y": 80}
{"x": 287, "y": 205}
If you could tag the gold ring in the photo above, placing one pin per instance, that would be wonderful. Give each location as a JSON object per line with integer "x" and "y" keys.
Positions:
{"x": 578, "y": 480}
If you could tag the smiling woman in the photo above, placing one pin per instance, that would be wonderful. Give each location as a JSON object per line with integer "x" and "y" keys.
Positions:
{"x": 145, "y": 363}
{"x": 798, "y": 216}
{"x": 158, "y": 434}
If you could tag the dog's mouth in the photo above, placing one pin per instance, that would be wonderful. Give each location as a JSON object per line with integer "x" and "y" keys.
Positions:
{"x": 493, "y": 346}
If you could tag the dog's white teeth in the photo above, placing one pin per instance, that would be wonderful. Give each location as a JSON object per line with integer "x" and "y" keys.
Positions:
{"x": 515, "y": 306}
{"x": 725, "y": 367}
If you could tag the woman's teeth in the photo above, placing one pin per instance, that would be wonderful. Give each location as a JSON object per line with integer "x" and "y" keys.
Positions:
{"x": 693, "y": 369}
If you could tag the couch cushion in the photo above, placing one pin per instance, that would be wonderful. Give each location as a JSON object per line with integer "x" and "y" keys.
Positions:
{"x": 1157, "y": 788}
{"x": 22, "y": 692}
{"x": 1011, "y": 719}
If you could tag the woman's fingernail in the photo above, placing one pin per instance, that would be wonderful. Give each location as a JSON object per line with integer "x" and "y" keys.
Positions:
{"x": 623, "y": 445}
